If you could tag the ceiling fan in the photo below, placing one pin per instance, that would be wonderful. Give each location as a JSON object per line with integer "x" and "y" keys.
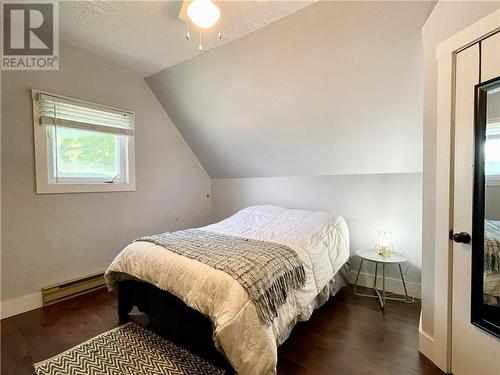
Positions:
{"x": 204, "y": 14}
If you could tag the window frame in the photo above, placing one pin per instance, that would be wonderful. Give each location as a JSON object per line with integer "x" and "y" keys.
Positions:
{"x": 493, "y": 180}
{"x": 45, "y": 182}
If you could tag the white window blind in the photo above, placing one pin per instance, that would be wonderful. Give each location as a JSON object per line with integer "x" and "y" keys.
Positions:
{"x": 63, "y": 112}
{"x": 492, "y": 152}
{"x": 82, "y": 146}
{"x": 493, "y": 129}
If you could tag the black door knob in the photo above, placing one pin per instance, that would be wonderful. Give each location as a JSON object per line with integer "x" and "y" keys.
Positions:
{"x": 462, "y": 237}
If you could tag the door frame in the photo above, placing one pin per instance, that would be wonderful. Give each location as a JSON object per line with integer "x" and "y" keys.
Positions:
{"x": 438, "y": 347}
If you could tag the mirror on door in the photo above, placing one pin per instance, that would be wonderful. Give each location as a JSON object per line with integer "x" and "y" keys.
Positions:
{"x": 486, "y": 221}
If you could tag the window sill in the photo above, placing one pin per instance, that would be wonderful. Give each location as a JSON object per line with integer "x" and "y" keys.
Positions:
{"x": 493, "y": 182}
{"x": 83, "y": 188}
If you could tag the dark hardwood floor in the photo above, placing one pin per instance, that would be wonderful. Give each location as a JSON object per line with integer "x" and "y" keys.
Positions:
{"x": 348, "y": 335}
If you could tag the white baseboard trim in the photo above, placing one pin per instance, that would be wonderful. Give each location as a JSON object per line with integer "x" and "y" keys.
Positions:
{"x": 391, "y": 285}
{"x": 425, "y": 342}
{"x": 20, "y": 305}
{"x": 33, "y": 301}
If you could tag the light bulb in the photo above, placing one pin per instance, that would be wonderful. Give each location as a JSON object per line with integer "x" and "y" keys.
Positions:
{"x": 203, "y": 13}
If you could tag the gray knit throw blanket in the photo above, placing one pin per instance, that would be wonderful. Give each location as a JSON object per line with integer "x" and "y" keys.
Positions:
{"x": 268, "y": 271}
{"x": 491, "y": 246}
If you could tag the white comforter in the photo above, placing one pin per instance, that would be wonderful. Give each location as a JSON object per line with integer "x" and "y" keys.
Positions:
{"x": 320, "y": 240}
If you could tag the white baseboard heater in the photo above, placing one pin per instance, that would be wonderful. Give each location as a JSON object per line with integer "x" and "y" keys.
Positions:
{"x": 72, "y": 288}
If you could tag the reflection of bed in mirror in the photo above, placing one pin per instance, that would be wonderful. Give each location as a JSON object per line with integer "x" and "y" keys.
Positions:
{"x": 491, "y": 294}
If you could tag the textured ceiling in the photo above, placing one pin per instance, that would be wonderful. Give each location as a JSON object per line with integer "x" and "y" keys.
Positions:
{"x": 145, "y": 37}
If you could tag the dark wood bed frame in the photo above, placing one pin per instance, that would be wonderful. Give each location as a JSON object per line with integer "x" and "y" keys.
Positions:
{"x": 171, "y": 318}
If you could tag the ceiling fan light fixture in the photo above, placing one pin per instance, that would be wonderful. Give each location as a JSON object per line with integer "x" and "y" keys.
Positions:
{"x": 203, "y": 13}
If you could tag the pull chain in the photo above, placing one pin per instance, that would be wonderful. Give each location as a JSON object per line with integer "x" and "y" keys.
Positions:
{"x": 200, "y": 44}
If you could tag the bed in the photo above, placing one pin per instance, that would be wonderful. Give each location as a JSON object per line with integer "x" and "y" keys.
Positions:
{"x": 491, "y": 294}
{"x": 249, "y": 344}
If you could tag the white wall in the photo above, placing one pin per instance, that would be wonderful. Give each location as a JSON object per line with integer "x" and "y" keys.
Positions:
{"x": 368, "y": 203}
{"x": 492, "y": 193}
{"x": 335, "y": 88}
{"x": 447, "y": 19}
{"x": 492, "y": 203}
{"x": 52, "y": 238}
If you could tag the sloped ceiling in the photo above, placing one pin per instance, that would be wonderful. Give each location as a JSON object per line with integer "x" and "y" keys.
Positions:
{"x": 332, "y": 89}
{"x": 494, "y": 105}
{"x": 145, "y": 37}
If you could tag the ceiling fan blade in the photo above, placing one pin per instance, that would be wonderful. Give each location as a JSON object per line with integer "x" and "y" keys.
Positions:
{"x": 183, "y": 12}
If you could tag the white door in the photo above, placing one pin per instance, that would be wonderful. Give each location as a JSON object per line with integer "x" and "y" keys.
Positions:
{"x": 474, "y": 351}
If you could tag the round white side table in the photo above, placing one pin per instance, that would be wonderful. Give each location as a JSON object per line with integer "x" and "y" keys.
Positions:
{"x": 371, "y": 255}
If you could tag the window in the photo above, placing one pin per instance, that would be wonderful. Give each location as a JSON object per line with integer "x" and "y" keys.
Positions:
{"x": 492, "y": 151}
{"x": 81, "y": 146}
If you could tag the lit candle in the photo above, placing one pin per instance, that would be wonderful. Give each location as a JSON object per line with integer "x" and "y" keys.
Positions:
{"x": 384, "y": 243}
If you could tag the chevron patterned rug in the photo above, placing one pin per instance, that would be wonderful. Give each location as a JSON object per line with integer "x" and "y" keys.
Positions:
{"x": 126, "y": 350}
